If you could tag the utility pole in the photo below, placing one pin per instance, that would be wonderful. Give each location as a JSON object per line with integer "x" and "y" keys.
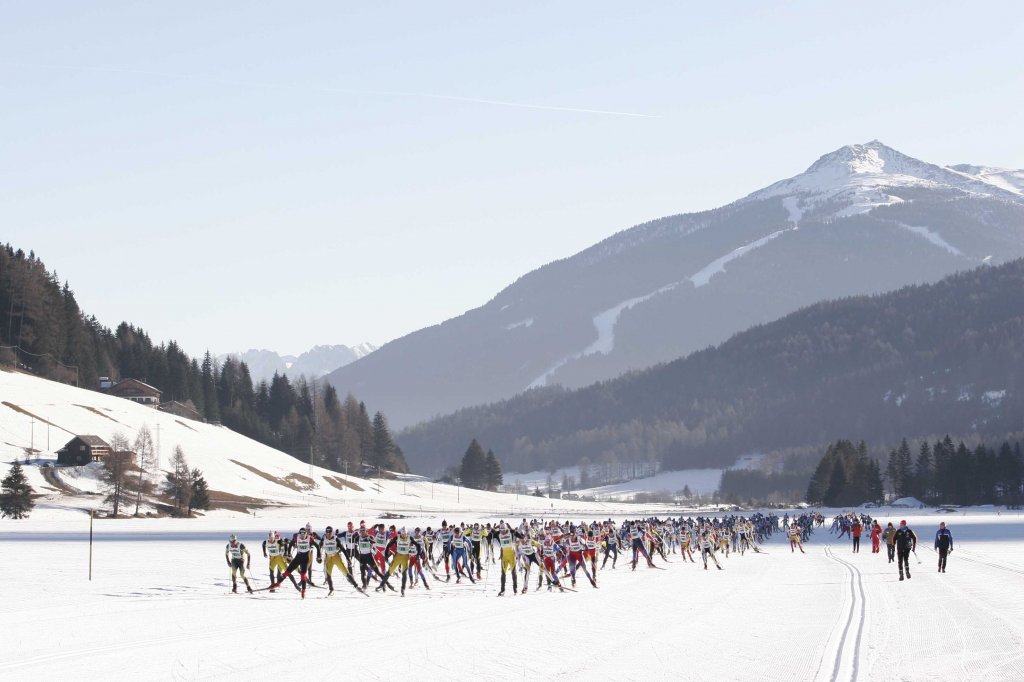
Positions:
{"x": 33, "y": 438}
{"x": 158, "y": 447}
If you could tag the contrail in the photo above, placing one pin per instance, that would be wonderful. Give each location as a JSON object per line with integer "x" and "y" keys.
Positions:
{"x": 375, "y": 93}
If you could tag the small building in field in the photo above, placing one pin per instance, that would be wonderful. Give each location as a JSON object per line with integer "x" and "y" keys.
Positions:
{"x": 82, "y": 450}
{"x": 186, "y": 409}
{"x": 137, "y": 392}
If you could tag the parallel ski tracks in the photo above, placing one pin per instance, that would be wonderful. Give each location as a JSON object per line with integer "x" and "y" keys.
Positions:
{"x": 853, "y": 630}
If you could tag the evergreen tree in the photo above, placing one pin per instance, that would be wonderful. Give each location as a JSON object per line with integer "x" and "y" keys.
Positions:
{"x": 200, "y": 494}
{"x": 492, "y": 471}
{"x": 383, "y": 453}
{"x": 821, "y": 478}
{"x": 473, "y": 471}
{"x": 16, "y": 494}
{"x": 923, "y": 473}
{"x": 209, "y": 378}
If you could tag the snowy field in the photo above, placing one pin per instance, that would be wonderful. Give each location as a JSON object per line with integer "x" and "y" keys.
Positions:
{"x": 159, "y": 607}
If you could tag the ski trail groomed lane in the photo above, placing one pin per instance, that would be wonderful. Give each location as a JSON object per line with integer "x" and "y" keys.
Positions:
{"x": 856, "y": 613}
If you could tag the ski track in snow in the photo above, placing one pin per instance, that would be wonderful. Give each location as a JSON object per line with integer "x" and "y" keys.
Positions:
{"x": 849, "y": 657}
{"x": 932, "y": 237}
{"x": 704, "y": 275}
{"x": 605, "y": 321}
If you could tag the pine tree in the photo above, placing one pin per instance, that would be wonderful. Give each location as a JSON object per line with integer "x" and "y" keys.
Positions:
{"x": 383, "y": 456}
{"x": 473, "y": 471}
{"x": 209, "y": 376}
{"x": 492, "y": 471}
{"x": 16, "y": 494}
{"x": 923, "y": 473}
{"x": 200, "y": 494}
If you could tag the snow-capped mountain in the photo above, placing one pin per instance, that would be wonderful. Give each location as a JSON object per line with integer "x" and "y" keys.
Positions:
{"x": 862, "y": 219}
{"x": 314, "y": 363}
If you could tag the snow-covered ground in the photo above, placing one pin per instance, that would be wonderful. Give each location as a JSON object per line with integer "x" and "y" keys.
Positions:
{"x": 158, "y": 607}
{"x": 700, "y": 481}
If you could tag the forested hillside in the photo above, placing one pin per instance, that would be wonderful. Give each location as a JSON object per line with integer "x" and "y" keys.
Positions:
{"x": 924, "y": 360}
{"x": 43, "y": 331}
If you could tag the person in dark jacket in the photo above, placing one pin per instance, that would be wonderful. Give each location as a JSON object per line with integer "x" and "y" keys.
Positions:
{"x": 943, "y": 545}
{"x": 889, "y": 535}
{"x": 906, "y": 542}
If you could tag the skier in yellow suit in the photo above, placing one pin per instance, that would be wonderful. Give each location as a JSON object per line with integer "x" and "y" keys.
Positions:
{"x": 330, "y": 545}
{"x": 401, "y": 546}
{"x": 272, "y": 550}
{"x": 506, "y": 540}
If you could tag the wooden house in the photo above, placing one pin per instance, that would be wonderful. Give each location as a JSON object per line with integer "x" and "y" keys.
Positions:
{"x": 137, "y": 392}
{"x": 82, "y": 450}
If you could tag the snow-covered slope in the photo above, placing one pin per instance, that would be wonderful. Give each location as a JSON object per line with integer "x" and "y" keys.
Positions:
{"x": 1008, "y": 180}
{"x": 37, "y": 417}
{"x": 862, "y": 219}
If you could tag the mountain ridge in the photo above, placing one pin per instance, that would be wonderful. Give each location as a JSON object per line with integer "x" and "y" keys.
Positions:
{"x": 862, "y": 219}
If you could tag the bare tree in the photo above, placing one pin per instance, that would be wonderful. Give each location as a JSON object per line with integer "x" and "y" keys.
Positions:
{"x": 116, "y": 467}
{"x": 144, "y": 454}
{"x": 179, "y": 483}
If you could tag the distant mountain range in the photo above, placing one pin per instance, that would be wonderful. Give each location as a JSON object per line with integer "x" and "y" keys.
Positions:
{"x": 313, "y": 364}
{"x": 924, "y": 361}
{"x": 863, "y": 219}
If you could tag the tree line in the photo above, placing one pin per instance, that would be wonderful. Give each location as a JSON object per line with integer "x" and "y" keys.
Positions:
{"x": 43, "y": 330}
{"x": 944, "y": 473}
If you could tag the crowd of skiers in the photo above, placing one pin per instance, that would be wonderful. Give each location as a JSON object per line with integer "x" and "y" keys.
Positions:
{"x": 553, "y": 551}
{"x": 900, "y": 542}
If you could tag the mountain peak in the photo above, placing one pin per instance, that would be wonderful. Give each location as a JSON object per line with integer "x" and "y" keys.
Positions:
{"x": 871, "y": 157}
{"x": 858, "y": 178}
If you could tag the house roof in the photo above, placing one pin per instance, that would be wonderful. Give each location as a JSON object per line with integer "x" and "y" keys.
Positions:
{"x": 93, "y": 441}
{"x": 143, "y": 384}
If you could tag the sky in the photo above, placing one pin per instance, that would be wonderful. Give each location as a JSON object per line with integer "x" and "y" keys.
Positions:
{"x": 238, "y": 175}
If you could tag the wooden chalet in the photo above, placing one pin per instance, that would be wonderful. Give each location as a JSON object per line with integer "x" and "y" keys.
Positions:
{"x": 137, "y": 392}
{"x": 82, "y": 450}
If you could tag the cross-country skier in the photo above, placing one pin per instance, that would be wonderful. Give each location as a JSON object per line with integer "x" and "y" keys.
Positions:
{"x": 636, "y": 535}
{"x": 906, "y": 542}
{"x": 364, "y": 555}
{"x": 611, "y": 547}
{"x": 476, "y": 535}
{"x": 304, "y": 545}
{"x": 943, "y": 545}
{"x": 330, "y": 545}
{"x": 272, "y": 550}
{"x": 401, "y": 546}
{"x": 794, "y": 538}
{"x": 460, "y": 551}
{"x": 708, "y": 543}
{"x": 506, "y": 539}
{"x": 444, "y": 537}
{"x": 237, "y": 557}
{"x": 876, "y": 536}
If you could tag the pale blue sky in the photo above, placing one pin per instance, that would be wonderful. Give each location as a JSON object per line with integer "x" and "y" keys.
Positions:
{"x": 238, "y": 174}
